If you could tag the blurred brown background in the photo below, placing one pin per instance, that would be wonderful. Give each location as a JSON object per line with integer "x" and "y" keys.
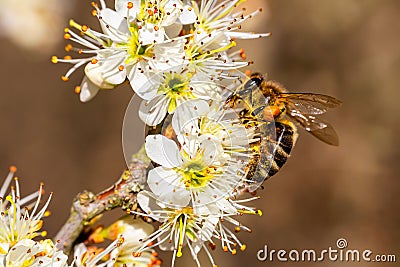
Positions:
{"x": 346, "y": 48}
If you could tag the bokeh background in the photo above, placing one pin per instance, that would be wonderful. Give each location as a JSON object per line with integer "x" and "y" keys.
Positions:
{"x": 346, "y": 48}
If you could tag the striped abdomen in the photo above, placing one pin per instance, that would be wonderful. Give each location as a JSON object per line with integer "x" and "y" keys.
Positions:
{"x": 274, "y": 152}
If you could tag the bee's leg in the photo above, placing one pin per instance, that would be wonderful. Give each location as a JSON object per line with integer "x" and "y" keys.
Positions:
{"x": 271, "y": 112}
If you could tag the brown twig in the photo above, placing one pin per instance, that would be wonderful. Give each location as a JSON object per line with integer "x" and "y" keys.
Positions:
{"x": 88, "y": 206}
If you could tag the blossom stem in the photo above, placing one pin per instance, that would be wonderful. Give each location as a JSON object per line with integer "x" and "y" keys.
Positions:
{"x": 87, "y": 205}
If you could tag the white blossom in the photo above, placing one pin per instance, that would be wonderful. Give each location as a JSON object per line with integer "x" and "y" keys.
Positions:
{"x": 169, "y": 89}
{"x": 18, "y": 222}
{"x": 209, "y": 162}
{"x": 117, "y": 53}
{"x": 29, "y": 253}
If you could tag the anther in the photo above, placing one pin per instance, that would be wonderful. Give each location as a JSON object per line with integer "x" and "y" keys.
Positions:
{"x": 84, "y": 28}
{"x": 77, "y": 90}
{"x": 68, "y": 47}
{"x": 13, "y": 169}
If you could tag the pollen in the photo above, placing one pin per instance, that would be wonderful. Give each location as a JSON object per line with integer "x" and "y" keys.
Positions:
{"x": 234, "y": 252}
{"x": 13, "y": 169}
{"x": 130, "y": 5}
{"x": 64, "y": 78}
{"x": 156, "y": 28}
{"x": 94, "y": 61}
{"x": 94, "y": 12}
{"x": 121, "y": 68}
{"x": 67, "y": 36}
{"x": 68, "y": 47}
{"x": 67, "y": 57}
{"x": 84, "y": 28}
{"x": 243, "y": 54}
{"x": 54, "y": 59}
{"x": 243, "y": 247}
{"x": 136, "y": 254}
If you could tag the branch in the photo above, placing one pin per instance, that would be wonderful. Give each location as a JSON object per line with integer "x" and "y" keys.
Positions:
{"x": 88, "y": 206}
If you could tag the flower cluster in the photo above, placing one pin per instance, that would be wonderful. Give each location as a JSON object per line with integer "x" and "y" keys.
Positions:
{"x": 195, "y": 189}
{"x": 126, "y": 235}
{"x": 20, "y": 223}
{"x": 169, "y": 50}
{"x": 180, "y": 58}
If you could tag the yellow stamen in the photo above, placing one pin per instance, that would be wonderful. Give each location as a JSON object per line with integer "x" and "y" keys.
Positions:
{"x": 181, "y": 236}
{"x": 10, "y": 199}
{"x": 79, "y": 27}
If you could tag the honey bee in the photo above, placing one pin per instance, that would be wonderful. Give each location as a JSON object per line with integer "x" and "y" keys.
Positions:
{"x": 275, "y": 113}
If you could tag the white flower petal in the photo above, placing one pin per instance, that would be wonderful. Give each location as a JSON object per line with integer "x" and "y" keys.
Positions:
{"x": 173, "y": 30}
{"x": 88, "y": 90}
{"x": 111, "y": 71}
{"x": 173, "y": 9}
{"x": 162, "y": 151}
{"x": 121, "y": 6}
{"x": 144, "y": 84}
{"x": 167, "y": 186}
{"x": 149, "y": 35}
{"x": 94, "y": 72}
{"x": 154, "y": 111}
{"x": 186, "y": 115}
{"x": 207, "y": 199}
{"x": 115, "y": 22}
{"x": 188, "y": 15}
{"x": 134, "y": 230}
{"x": 148, "y": 204}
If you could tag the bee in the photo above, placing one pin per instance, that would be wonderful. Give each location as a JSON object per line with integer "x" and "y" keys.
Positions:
{"x": 275, "y": 114}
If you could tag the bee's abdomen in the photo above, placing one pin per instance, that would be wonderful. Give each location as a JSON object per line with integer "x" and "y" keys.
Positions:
{"x": 275, "y": 149}
{"x": 285, "y": 139}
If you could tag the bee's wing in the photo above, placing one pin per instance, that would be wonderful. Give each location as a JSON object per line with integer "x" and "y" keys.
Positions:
{"x": 317, "y": 127}
{"x": 310, "y": 103}
{"x": 305, "y": 108}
